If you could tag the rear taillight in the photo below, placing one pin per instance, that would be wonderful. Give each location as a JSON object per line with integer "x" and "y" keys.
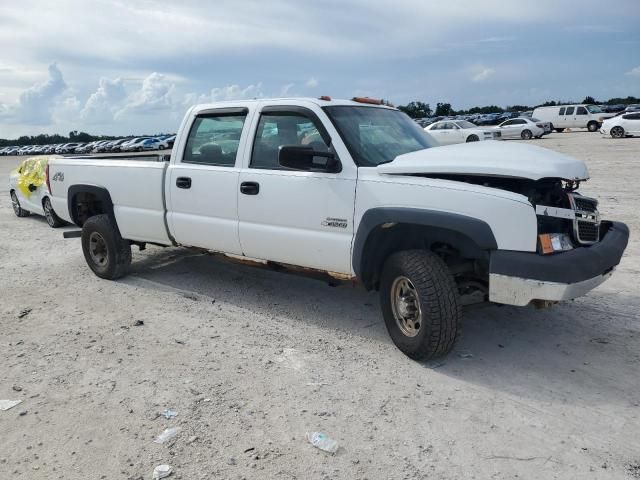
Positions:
{"x": 539, "y": 125}
{"x": 46, "y": 177}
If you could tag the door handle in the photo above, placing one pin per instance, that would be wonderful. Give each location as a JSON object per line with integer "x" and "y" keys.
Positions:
{"x": 249, "y": 188}
{"x": 183, "y": 182}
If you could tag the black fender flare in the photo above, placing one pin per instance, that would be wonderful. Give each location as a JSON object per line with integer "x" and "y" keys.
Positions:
{"x": 475, "y": 230}
{"x": 101, "y": 194}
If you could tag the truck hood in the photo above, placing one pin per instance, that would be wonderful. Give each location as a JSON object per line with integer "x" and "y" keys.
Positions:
{"x": 489, "y": 158}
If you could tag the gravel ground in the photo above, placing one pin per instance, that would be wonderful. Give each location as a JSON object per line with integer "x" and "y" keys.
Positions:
{"x": 251, "y": 360}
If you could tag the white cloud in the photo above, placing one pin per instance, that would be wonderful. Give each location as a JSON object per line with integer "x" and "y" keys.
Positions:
{"x": 634, "y": 72}
{"x": 155, "y": 93}
{"x": 312, "y": 82}
{"x": 482, "y": 73}
{"x": 285, "y": 91}
{"x": 101, "y": 105}
{"x": 235, "y": 92}
{"x": 36, "y": 105}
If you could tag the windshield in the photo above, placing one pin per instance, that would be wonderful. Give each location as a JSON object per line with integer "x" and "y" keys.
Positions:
{"x": 594, "y": 109}
{"x": 465, "y": 124}
{"x": 377, "y": 135}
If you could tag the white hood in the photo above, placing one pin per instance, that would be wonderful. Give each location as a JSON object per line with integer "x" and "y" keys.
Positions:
{"x": 499, "y": 159}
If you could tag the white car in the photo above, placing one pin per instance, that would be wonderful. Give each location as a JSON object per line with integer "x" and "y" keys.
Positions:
{"x": 30, "y": 193}
{"x": 353, "y": 191}
{"x": 522, "y": 128}
{"x": 572, "y": 116}
{"x": 448, "y": 132}
{"x": 624, "y": 125}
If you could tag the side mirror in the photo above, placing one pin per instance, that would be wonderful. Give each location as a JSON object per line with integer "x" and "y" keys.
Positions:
{"x": 304, "y": 157}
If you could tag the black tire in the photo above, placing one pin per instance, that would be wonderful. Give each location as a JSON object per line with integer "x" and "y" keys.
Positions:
{"x": 472, "y": 138}
{"x": 50, "y": 215}
{"x": 551, "y": 127}
{"x": 436, "y": 294}
{"x": 617, "y": 132}
{"x": 559, "y": 130}
{"x": 17, "y": 209}
{"x": 105, "y": 251}
{"x": 526, "y": 134}
{"x": 593, "y": 126}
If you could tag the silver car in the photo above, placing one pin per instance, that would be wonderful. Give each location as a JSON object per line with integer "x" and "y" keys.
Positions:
{"x": 522, "y": 128}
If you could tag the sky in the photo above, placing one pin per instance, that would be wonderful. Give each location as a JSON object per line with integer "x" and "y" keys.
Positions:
{"x": 135, "y": 66}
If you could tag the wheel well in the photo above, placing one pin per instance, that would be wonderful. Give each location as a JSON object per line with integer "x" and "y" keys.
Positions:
{"x": 460, "y": 252}
{"x": 88, "y": 201}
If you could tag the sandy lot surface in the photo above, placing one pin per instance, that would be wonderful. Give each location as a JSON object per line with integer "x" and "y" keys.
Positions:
{"x": 251, "y": 360}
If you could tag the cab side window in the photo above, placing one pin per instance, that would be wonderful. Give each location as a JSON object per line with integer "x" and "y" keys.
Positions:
{"x": 581, "y": 111}
{"x": 570, "y": 111}
{"x": 283, "y": 128}
{"x": 214, "y": 139}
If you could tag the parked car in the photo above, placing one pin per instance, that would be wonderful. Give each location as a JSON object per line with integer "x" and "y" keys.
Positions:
{"x": 633, "y": 108}
{"x": 572, "y": 116}
{"x": 459, "y": 131}
{"x": 522, "y": 128}
{"x": 152, "y": 144}
{"x": 613, "y": 108}
{"x": 29, "y": 191}
{"x": 620, "y": 126}
{"x": 133, "y": 145}
{"x": 545, "y": 125}
{"x": 366, "y": 198}
{"x": 116, "y": 145}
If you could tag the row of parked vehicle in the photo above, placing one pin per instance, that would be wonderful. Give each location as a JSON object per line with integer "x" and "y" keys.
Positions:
{"x": 136, "y": 144}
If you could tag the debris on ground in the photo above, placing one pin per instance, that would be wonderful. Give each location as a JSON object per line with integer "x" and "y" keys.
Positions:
{"x": 7, "y": 404}
{"x": 168, "y": 413}
{"x": 323, "y": 442}
{"x": 465, "y": 355}
{"x": 17, "y": 388}
{"x": 162, "y": 471}
{"x": 138, "y": 323}
{"x": 24, "y": 312}
{"x": 168, "y": 434}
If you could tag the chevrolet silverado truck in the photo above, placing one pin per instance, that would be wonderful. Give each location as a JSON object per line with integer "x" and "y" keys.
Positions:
{"x": 355, "y": 191}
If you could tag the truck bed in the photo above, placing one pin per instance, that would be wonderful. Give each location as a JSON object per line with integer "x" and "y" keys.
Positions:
{"x": 136, "y": 187}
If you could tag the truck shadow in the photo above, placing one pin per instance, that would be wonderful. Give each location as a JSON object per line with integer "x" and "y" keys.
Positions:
{"x": 581, "y": 352}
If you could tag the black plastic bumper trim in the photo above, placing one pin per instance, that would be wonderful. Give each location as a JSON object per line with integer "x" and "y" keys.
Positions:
{"x": 573, "y": 266}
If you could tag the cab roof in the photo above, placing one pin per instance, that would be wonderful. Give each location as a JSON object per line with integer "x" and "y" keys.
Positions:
{"x": 301, "y": 101}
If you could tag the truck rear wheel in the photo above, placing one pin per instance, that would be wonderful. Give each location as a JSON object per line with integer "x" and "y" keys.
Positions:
{"x": 105, "y": 251}
{"x": 420, "y": 304}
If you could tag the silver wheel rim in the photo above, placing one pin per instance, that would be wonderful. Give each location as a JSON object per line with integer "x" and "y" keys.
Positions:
{"x": 47, "y": 212}
{"x": 98, "y": 249}
{"x": 405, "y": 305}
{"x": 617, "y": 132}
{"x": 526, "y": 135}
{"x": 15, "y": 203}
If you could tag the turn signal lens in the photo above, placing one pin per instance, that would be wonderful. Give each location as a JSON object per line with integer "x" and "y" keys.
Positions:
{"x": 554, "y": 242}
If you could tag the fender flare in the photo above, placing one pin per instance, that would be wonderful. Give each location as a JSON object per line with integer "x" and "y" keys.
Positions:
{"x": 478, "y": 231}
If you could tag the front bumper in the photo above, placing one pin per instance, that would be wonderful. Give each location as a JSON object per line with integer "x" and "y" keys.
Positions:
{"x": 517, "y": 278}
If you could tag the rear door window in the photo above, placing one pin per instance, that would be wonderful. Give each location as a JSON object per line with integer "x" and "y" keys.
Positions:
{"x": 214, "y": 139}
{"x": 561, "y": 111}
{"x": 570, "y": 111}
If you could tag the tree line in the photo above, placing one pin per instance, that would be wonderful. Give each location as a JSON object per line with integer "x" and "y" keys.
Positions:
{"x": 417, "y": 109}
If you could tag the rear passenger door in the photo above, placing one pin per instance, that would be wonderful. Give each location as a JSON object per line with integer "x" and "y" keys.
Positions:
{"x": 631, "y": 123}
{"x": 296, "y": 217}
{"x": 202, "y": 184}
{"x": 570, "y": 117}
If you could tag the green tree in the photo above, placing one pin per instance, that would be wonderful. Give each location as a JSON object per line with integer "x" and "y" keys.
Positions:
{"x": 443, "y": 109}
{"x": 416, "y": 109}
{"x": 589, "y": 100}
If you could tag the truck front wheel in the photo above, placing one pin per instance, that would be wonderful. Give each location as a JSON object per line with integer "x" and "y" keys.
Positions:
{"x": 420, "y": 304}
{"x": 106, "y": 252}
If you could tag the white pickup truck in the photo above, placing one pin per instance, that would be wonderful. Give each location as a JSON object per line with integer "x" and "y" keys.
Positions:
{"x": 353, "y": 190}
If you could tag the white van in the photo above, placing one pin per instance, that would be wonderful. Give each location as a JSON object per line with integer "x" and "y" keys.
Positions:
{"x": 572, "y": 116}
